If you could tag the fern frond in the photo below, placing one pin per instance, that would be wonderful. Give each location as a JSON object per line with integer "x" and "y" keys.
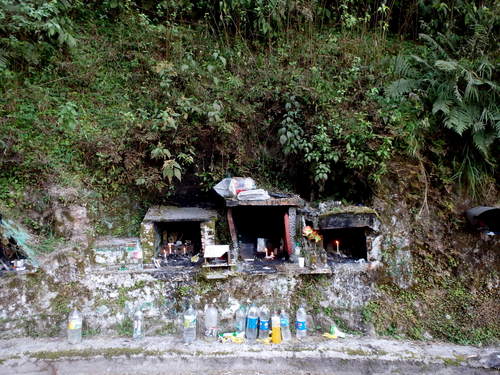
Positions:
{"x": 402, "y": 66}
{"x": 3, "y": 59}
{"x": 471, "y": 90}
{"x": 488, "y": 116}
{"x": 485, "y": 69}
{"x": 495, "y": 116}
{"x": 457, "y": 93}
{"x": 433, "y": 44}
{"x": 495, "y": 88}
{"x": 446, "y": 65}
{"x": 459, "y": 120}
{"x": 401, "y": 87}
{"x": 446, "y": 39}
{"x": 421, "y": 61}
{"x": 482, "y": 141}
{"x": 442, "y": 105}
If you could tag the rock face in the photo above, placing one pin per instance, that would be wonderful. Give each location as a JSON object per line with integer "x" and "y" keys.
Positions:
{"x": 69, "y": 215}
{"x": 72, "y": 222}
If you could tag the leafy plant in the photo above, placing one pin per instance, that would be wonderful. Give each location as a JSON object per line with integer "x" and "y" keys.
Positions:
{"x": 455, "y": 80}
{"x": 33, "y": 30}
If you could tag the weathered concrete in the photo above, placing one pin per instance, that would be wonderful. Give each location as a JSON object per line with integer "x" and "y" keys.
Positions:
{"x": 39, "y": 304}
{"x": 172, "y": 214}
{"x": 117, "y": 250}
{"x": 348, "y": 220}
{"x": 167, "y": 355}
{"x": 294, "y": 201}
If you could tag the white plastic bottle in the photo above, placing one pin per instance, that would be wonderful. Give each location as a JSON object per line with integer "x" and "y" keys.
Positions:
{"x": 138, "y": 333}
{"x": 264, "y": 322}
{"x": 189, "y": 333}
{"x": 301, "y": 322}
{"x": 211, "y": 321}
{"x": 240, "y": 319}
{"x": 285, "y": 326}
{"x": 252, "y": 322}
{"x": 75, "y": 327}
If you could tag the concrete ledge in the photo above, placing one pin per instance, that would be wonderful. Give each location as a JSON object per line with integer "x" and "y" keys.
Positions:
{"x": 162, "y": 355}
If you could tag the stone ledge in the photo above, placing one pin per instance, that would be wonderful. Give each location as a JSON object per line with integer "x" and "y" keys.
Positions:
{"x": 315, "y": 355}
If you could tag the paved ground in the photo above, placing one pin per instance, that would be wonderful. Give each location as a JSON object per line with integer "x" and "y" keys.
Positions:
{"x": 167, "y": 355}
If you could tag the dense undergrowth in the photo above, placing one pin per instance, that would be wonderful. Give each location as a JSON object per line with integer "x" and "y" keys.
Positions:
{"x": 131, "y": 95}
{"x": 152, "y": 99}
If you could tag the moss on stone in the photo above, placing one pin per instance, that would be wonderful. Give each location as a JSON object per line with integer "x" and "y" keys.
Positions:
{"x": 88, "y": 353}
{"x": 167, "y": 329}
{"x": 147, "y": 241}
{"x": 349, "y": 210}
{"x": 457, "y": 361}
{"x": 360, "y": 352}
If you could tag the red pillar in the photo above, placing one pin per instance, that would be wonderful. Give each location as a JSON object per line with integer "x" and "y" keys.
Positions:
{"x": 288, "y": 238}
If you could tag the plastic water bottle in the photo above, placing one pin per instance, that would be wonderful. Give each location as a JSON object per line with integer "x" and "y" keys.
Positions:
{"x": 264, "y": 322}
{"x": 241, "y": 319}
{"x": 285, "y": 326}
{"x": 75, "y": 327}
{"x": 211, "y": 321}
{"x": 252, "y": 322}
{"x": 189, "y": 325}
{"x": 301, "y": 322}
{"x": 138, "y": 325}
{"x": 275, "y": 328}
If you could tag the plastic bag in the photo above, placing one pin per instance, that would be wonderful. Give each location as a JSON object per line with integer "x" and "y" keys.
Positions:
{"x": 241, "y": 184}
{"x": 230, "y": 187}
{"x": 222, "y": 188}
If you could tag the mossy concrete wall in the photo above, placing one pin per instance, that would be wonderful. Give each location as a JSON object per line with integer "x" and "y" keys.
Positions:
{"x": 147, "y": 236}
{"x": 38, "y": 304}
{"x": 401, "y": 294}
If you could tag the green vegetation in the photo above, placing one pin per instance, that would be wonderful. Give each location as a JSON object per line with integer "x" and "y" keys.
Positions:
{"x": 125, "y": 327}
{"x": 441, "y": 306}
{"x": 167, "y": 329}
{"x": 128, "y": 97}
{"x": 454, "y": 79}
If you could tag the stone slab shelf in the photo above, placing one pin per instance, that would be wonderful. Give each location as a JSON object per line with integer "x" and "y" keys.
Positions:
{"x": 291, "y": 202}
{"x": 294, "y": 269}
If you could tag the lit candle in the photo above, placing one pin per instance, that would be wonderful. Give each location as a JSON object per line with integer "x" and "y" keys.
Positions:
{"x": 337, "y": 242}
{"x": 169, "y": 249}
{"x": 184, "y": 249}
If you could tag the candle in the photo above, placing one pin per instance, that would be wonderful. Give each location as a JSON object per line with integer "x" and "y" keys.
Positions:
{"x": 337, "y": 242}
{"x": 184, "y": 249}
{"x": 169, "y": 249}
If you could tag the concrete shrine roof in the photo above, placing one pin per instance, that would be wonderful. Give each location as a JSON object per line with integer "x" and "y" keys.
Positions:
{"x": 172, "y": 213}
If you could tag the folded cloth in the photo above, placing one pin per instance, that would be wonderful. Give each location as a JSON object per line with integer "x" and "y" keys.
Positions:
{"x": 254, "y": 195}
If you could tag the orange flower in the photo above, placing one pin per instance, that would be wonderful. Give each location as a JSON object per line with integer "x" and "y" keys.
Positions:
{"x": 311, "y": 234}
{"x": 307, "y": 231}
